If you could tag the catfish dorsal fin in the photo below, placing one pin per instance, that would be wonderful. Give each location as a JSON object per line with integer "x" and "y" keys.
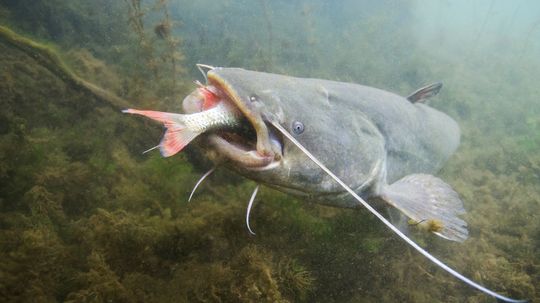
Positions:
{"x": 424, "y": 93}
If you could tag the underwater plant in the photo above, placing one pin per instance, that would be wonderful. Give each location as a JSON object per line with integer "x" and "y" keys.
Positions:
{"x": 295, "y": 277}
{"x": 159, "y": 53}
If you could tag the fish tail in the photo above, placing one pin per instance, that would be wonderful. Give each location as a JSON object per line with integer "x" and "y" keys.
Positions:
{"x": 176, "y": 135}
{"x": 430, "y": 204}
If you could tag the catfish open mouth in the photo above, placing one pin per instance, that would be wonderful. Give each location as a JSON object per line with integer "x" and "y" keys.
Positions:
{"x": 252, "y": 144}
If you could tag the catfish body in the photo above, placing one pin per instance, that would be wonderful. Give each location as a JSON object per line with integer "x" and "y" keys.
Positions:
{"x": 365, "y": 135}
{"x": 379, "y": 143}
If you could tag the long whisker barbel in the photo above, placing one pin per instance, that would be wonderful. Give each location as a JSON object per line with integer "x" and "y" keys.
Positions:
{"x": 208, "y": 173}
{"x": 250, "y": 205}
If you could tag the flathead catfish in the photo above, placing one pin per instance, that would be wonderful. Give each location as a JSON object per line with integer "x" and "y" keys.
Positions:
{"x": 331, "y": 142}
{"x": 380, "y": 144}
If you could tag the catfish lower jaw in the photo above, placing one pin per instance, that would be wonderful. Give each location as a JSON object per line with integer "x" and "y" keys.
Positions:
{"x": 250, "y": 159}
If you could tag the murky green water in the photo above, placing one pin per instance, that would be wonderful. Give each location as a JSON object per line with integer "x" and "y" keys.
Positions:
{"x": 85, "y": 217}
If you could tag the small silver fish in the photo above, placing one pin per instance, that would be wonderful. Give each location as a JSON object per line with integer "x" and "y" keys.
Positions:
{"x": 181, "y": 129}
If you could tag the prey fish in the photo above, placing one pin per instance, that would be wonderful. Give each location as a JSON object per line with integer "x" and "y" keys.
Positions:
{"x": 335, "y": 143}
{"x": 214, "y": 113}
{"x": 182, "y": 129}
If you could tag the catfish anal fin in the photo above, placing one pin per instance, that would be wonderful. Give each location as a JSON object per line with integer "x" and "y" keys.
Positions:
{"x": 426, "y": 92}
{"x": 430, "y": 203}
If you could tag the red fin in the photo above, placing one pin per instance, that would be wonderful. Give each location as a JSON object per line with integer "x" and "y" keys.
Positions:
{"x": 176, "y": 136}
{"x": 174, "y": 140}
{"x": 163, "y": 117}
{"x": 210, "y": 98}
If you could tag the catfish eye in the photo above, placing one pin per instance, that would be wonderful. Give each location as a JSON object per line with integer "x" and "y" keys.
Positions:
{"x": 298, "y": 127}
{"x": 253, "y": 98}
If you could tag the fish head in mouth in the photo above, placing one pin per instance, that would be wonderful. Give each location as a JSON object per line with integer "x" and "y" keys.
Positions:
{"x": 260, "y": 152}
{"x": 249, "y": 145}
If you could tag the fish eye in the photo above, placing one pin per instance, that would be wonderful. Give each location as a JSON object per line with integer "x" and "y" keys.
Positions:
{"x": 253, "y": 98}
{"x": 298, "y": 127}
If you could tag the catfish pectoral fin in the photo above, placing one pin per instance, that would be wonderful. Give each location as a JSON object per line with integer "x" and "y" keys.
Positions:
{"x": 430, "y": 203}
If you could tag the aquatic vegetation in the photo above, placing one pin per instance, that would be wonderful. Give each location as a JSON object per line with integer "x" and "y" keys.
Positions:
{"x": 99, "y": 284}
{"x": 295, "y": 277}
{"x": 159, "y": 56}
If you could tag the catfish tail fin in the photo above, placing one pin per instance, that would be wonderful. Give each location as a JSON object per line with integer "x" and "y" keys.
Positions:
{"x": 176, "y": 136}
